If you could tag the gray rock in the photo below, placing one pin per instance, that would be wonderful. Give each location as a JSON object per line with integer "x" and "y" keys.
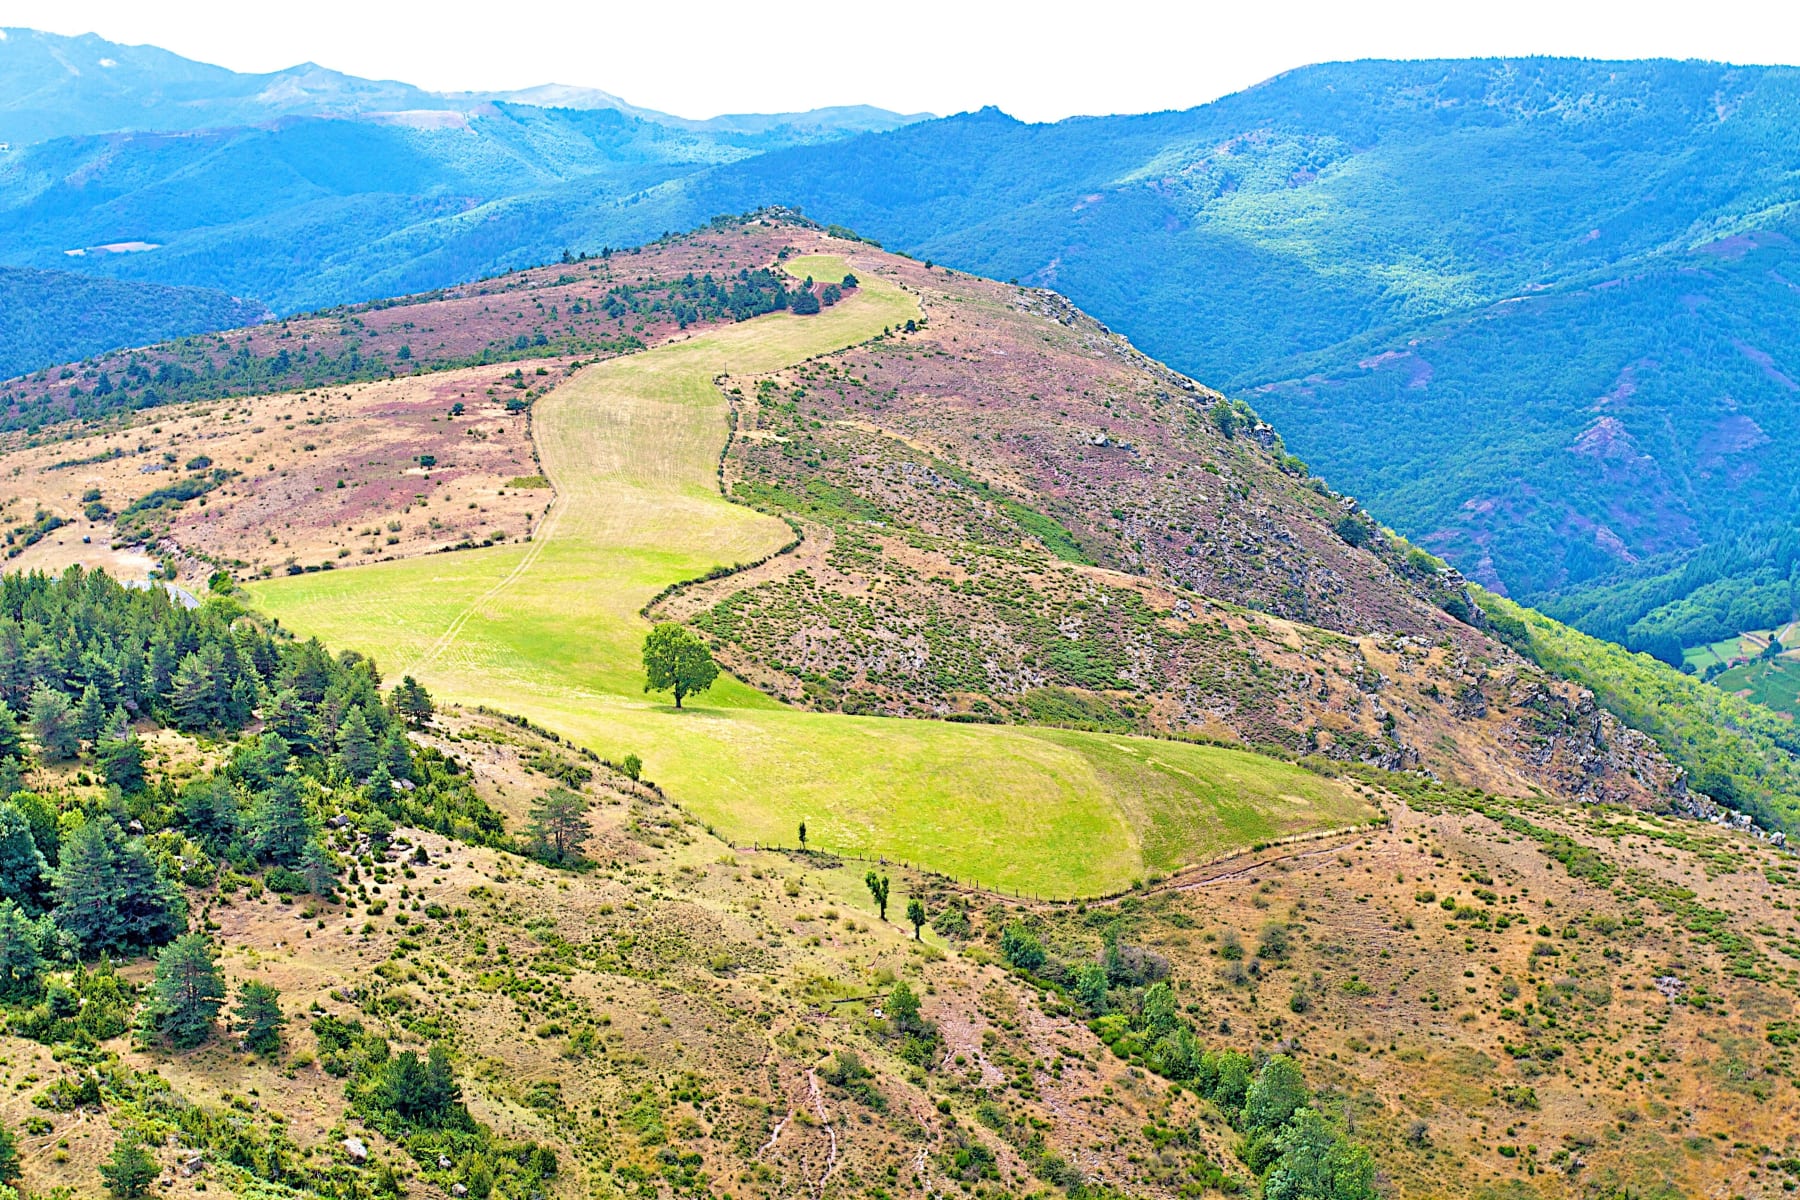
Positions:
{"x": 353, "y": 1146}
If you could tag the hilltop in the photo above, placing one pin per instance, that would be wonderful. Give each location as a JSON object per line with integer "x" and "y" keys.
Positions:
{"x": 1008, "y": 517}
{"x": 1011, "y": 609}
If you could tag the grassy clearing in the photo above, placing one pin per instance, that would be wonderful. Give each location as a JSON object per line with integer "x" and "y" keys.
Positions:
{"x": 552, "y": 630}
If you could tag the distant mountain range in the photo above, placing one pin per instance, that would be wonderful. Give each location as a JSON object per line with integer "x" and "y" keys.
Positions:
{"x": 54, "y": 86}
{"x": 1541, "y": 316}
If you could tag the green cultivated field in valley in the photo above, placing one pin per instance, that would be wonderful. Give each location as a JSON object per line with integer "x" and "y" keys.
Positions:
{"x": 551, "y": 630}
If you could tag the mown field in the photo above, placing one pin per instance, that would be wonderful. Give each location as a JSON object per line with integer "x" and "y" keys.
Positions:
{"x": 552, "y": 630}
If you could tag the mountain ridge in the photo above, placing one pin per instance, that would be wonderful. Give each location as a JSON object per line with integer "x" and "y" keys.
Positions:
{"x": 50, "y": 94}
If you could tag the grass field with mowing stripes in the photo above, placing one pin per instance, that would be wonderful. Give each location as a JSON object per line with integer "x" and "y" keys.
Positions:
{"x": 551, "y": 630}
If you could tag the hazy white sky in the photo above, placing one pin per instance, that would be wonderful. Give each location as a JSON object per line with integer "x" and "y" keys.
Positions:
{"x": 1040, "y": 61}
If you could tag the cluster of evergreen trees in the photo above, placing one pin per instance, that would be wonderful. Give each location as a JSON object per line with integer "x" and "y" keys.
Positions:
{"x": 692, "y": 299}
{"x": 85, "y": 659}
{"x": 81, "y": 657}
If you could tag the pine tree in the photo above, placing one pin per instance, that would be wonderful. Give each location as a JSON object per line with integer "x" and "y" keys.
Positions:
{"x": 83, "y": 886}
{"x": 396, "y": 755}
{"x": 130, "y": 1171}
{"x": 559, "y": 827}
{"x": 9, "y": 1155}
{"x": 356, "y": 745}
{"x": 90, "y": 714}
{"x": 191, "y": 694}
{"x": 316, "y": 865}
{"x": 22, "y": 867}
{"x": 122, "y": 762}
{"x": 291, "y": 718}
{"x": 53, "y": 724}
{"x": 109, "y": 894}
{"x": 21, "y": 962}
{"x": 12, "y": 743}
{"x": 163, "y": 662}
{"x": 258, "y": 1016}
{"x": 241, "y": 705}
{"x": 278, "y": 826}
{"x": 413, "y": 702}
{"x": 188, "y": 991}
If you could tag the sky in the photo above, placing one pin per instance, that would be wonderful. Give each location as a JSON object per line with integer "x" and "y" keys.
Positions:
{"x": 1039, "y": 61}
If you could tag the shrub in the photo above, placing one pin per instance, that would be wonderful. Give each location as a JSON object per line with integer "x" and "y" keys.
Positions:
{"x": 1021, "y": 948}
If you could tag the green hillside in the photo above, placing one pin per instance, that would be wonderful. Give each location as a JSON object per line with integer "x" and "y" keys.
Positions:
{"x": 57, "y": 316}
{"x": 553, "y": 630}
{"x": 1736, "y": 751}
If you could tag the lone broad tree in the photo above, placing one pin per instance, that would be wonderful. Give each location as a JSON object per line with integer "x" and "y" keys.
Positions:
{"x": 677, "y": 660}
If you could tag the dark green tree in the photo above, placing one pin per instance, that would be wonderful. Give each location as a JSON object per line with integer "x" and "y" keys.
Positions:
{"x": 130, "y": 1171}
{"x": 188, "y": 991}
{"x": 291, "y": 717}
{"x": 412, "y": 702}
{"x": 278, "y": 828}
{"x": 53, "y": 724}
{"x": 12, "y": 743}
{"x": 192, "y": 694}
{"x": 9, "y": 1155}
{"x": 257, "y": 1015}
{"x": 559, "y": 828}
{"x": 90, "y": 714}
{"x": 109, "y": 894}
{"x": 878, "y": 890}
{"x": 21, "y": 960}
{"x": 675, "y": 659}
{"x": 121, "y": 762}
{"x": 903, "y": 1007}
{"x": 208, "y": 808}
{"x": 356, "y": 745}
{"x": 316, "y": 865}
{"x": 1020, "y": 947}
{"x": 396, "y": 755}
{"x": 22, "y": 867}
{"x": 803, "y": 835}
{"x": 915, "y": 915}
{"x": 419, "y": 1092}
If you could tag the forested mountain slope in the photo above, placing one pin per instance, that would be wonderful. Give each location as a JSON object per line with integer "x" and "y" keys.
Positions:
{"x": 56, "y": 316}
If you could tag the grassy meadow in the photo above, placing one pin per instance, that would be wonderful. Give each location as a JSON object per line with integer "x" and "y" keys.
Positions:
{"x": 552, "y": 630}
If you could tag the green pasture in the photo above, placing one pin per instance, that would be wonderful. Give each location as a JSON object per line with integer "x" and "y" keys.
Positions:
{"x": 551, "y": 630}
